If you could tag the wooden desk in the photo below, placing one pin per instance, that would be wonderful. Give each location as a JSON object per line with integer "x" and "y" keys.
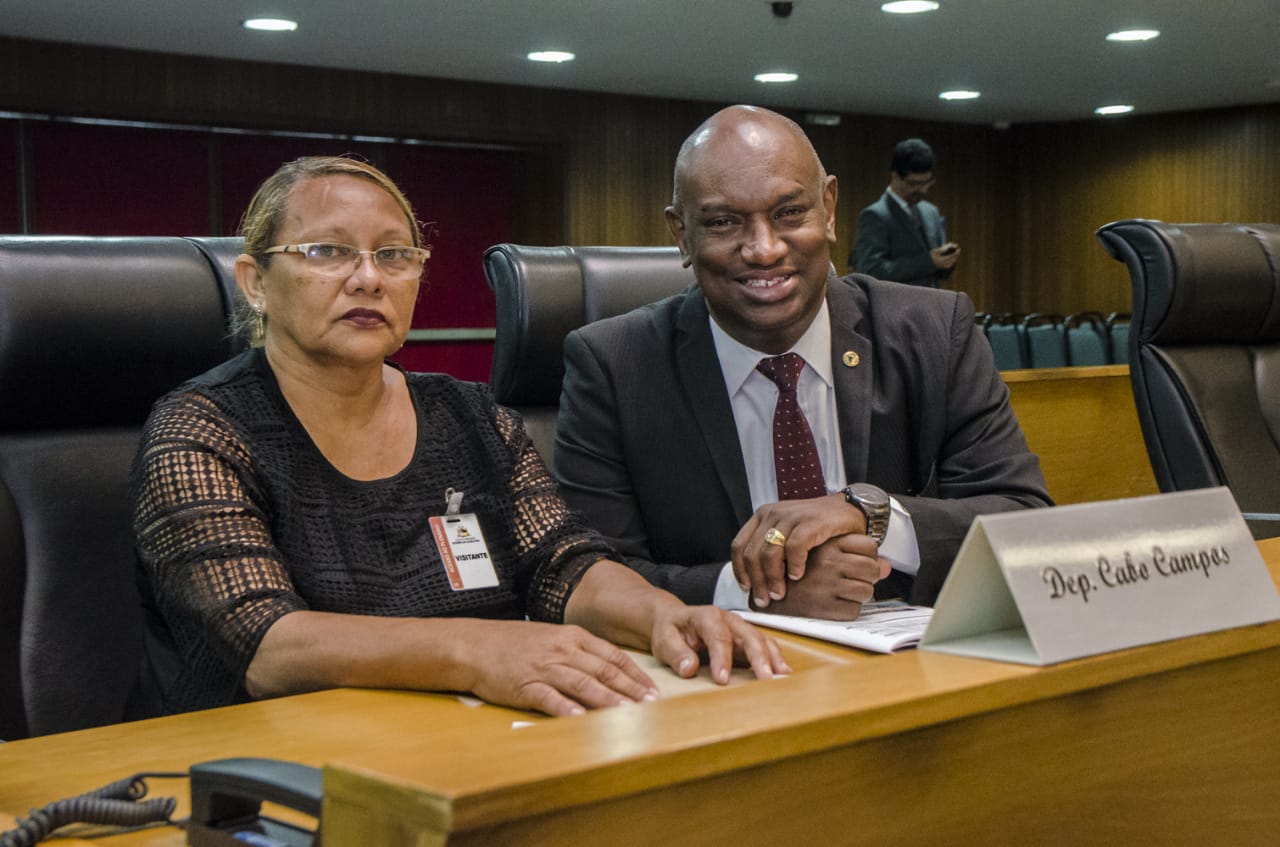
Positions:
{"x": 1175, "y": 743}
{"x": 1083, "y": 425}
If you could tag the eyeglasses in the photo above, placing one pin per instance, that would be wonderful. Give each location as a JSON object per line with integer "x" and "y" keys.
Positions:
{"x": 341, "y": 260}
{"x": 917, "y": 182}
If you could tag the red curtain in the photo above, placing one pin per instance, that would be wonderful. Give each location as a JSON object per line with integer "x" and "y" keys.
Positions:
{"x": 106, "y": 180}
{"x": 93, "y": 179}
{"x": 10, "y": 216}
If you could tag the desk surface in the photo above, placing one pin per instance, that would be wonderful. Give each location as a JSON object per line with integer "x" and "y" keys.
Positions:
{"x": 1143, "y": 743}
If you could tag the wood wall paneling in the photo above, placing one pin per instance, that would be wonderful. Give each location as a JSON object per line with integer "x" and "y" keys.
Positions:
{"x": 1210, "y": 166}
{"x": 1023, "y": 202}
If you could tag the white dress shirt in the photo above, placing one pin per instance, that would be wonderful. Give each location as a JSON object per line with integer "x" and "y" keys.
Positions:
{"x": 753, "y": 397}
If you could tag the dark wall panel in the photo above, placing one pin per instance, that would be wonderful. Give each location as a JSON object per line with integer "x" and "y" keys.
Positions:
{"x": 469, "y": 360}
{"x": 10, "y": 189}
{"x": 465, "y": 197}
{"x": 104, "y": 180}
{"x": 596, "y": 169}
{"x": 244, "y": 161}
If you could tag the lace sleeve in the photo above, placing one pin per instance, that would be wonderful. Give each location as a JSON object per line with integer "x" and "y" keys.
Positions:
{"x": 203, "y": 539}
{"x": 558, "y": 545}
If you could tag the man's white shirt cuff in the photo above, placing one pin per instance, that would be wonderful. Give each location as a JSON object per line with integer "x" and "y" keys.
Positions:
{"x": 729, "y": 595}
{"x": 900, "y": 546}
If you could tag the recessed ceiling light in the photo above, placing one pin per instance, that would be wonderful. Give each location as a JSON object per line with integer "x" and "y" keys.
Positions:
{"x": 777, "y": 76}
{"x": 960, "y": 94}
{"x": 1117, "y": 109}
{"x": 908, "y": 7}
{"x": 550, "y": 56}
{"x": 271, "y": 24}
{"x": 1133, "y": 35}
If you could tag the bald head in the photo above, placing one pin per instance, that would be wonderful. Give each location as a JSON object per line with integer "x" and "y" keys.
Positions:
{"x": 753, "y": 213}
{"x": 752, "y": 133}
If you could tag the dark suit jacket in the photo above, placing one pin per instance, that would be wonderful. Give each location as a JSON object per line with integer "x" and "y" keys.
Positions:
{"x": 647, "y": 447}
{"x": 890, "y": 246}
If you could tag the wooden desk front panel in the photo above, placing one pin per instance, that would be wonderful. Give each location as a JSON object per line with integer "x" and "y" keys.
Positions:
{"x": 1189, "y": 756}
{"x": 1083, "y": 425}
{"x": 1165, "y": 760}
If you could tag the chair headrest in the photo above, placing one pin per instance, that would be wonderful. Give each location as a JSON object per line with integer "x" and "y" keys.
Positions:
{"x": 1200, "y": 283}
{"x": 544, "y": 293}
{"x": 94, "y": 330}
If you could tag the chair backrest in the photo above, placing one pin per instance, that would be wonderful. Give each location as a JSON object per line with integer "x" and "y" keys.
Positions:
{"x": 1205, "y": 353}
{"x": 543, "y": 294}
{"x": 92, "y": 332}
{"x": 1118, "y": 335}
{"x": 1006, "y": 342}
{"x": 1088, "y": 342}
{"x": 1044, "y": 341}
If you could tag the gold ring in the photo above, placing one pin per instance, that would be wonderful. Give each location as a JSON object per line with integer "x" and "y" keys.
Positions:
{"x": 775, "y": 538}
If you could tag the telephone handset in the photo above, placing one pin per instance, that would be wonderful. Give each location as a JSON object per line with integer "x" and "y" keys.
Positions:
{"x": 227, "y": 797}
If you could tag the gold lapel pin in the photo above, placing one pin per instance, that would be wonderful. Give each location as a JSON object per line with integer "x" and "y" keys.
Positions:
{"x": 851, "y": 359}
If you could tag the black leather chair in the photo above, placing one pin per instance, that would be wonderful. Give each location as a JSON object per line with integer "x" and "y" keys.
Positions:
{"x": 92, "y": 332}
{"x": 1204, "y": 355}
{"x": 543, "y": 294}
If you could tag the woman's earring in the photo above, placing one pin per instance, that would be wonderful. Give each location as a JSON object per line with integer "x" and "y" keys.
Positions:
{"x": 259, "y": 323}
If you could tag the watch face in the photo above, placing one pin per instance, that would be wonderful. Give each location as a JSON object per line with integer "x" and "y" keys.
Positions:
{"x": 870, "y": 494}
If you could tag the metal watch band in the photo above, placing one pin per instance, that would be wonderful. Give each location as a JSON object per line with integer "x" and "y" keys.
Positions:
{"x": 874, "y": 504}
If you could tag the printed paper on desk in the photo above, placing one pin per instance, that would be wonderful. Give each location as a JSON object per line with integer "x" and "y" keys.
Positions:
{"x": 1045, "y": 585}
{"x": 884, "y": 626}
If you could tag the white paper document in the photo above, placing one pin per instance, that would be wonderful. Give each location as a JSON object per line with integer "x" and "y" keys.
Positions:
{"x": 883, "y": 627}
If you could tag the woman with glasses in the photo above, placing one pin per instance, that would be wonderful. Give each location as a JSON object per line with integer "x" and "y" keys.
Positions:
{"x": 309, "y": 515}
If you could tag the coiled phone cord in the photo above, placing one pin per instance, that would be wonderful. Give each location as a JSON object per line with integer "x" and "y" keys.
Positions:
{"x": 118, "y": 804}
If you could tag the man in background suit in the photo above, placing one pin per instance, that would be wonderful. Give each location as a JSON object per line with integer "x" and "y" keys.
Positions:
{"x": 667, "y": 427}
{"x": 901, "y": 236}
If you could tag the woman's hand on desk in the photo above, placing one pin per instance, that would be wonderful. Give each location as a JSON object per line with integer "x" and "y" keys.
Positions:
{"x": 617, "y": 603}
{"x": 682, "y": 633}
{"x": 559, "y": 670}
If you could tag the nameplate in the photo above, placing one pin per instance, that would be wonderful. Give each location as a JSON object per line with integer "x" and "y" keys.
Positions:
{"x": 1041, "y": 586}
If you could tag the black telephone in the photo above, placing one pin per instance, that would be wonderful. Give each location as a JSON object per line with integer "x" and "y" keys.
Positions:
{"x": 227, "y": 797}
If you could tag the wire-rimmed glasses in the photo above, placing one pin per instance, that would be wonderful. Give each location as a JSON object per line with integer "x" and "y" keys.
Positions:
{"x": 341, "y": 260}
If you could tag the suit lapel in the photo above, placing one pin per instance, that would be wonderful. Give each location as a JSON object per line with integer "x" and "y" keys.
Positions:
{"x": 703, "y": 384}
{"x": 852, "y": 370}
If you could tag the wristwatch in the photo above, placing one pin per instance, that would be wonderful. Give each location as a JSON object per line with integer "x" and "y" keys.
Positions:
{"x": 874, "y": 503}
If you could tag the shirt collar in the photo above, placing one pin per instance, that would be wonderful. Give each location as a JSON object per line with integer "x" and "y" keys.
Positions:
{"x": 903, "y": 204}
{"x": 738, "y": 361}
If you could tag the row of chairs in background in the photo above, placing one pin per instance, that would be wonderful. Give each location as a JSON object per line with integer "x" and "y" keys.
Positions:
{"x": 1051, "y": 341}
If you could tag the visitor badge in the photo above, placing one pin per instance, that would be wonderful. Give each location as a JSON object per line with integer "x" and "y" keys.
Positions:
{"x": 463, "y": 551}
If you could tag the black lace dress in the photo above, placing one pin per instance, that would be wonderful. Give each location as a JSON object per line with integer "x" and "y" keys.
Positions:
{"x": 240, "y": 520}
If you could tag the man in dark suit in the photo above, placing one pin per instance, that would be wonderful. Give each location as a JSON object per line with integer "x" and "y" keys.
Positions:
{"x": 667, "y": 429}
{"x": 901, "y": 236}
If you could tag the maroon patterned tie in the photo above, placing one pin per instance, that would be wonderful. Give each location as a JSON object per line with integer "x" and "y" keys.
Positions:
{"x": 795, "y": 455}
